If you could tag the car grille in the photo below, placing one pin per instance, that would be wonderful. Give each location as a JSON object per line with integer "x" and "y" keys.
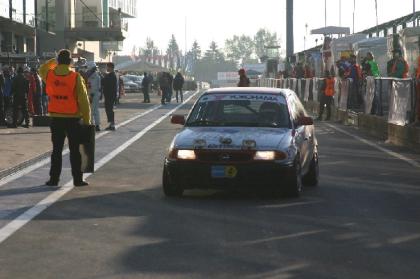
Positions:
{"x": 224, "y": 155}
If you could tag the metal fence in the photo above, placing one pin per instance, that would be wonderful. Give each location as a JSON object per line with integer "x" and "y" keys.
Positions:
{"x": 392, "y": 98}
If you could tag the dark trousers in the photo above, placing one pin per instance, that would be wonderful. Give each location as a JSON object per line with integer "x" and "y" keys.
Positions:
{"x": 109, "y": 108}
{"x": 165, "y": 92}
{"x": 180, "y": 94}
{"x": 146, "y": 94}
{"x": 325, "y": 101}
{"x": 23, "y": 106}
{"x": 62, "y": 127}
{"x": 37, "y": 104}
{"x": 2, "y": 115}
{"x": 169, "y": 95}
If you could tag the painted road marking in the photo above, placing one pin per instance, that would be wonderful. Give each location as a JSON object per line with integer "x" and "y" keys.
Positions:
{"x": 372, "y": 144}
{"x": 31, "y": 213}
{"x": 43, "y": 162}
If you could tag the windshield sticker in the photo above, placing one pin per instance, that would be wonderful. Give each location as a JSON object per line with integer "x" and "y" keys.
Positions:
{"x": 241, "y": 97}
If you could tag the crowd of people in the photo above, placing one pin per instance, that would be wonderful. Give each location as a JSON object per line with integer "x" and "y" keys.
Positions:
{"x": 22, "y": 90}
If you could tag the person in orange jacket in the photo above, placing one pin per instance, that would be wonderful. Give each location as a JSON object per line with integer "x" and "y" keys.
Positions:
{"x": 68, "y": 106}
{"x": 327, "y": 96}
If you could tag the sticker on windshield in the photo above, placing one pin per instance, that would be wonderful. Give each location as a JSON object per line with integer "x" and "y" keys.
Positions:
{"x": 241, "y": 97}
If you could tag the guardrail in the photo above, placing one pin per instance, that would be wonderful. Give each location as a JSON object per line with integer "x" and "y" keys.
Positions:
{"x": 392, "y": 98}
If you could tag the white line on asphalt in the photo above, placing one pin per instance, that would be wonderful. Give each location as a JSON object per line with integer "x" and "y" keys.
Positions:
{"x": 45, "y": 161}
{"x": 31, "y": 213}
{"x": 383, "y": 149}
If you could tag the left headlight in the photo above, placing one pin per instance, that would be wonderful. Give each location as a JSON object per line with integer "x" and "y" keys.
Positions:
{"x": 184, "y": 154}
{"x": 269, "y": 155}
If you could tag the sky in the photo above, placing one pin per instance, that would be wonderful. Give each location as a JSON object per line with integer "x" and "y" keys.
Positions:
{"x": 219, "y": 20}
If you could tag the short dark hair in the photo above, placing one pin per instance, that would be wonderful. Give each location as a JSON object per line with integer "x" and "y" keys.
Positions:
{"x": 20, "y": 70}
{"x": 110, "y": 64}
{"x": 64, "y": 57}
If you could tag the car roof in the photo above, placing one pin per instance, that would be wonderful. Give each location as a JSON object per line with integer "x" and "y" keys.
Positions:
{"x": 251, "y": 90}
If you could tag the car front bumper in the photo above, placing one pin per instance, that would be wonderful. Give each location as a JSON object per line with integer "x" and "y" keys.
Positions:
{"x": 263, "y": 175}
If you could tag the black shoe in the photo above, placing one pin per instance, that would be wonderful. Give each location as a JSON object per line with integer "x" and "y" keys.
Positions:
{"x": 52, "y": 182}
{"x": 25, "y": 126}
{"x": 97, "y": 128}
{"x": 110, "y": 128}
{"x": 80, "y": 183}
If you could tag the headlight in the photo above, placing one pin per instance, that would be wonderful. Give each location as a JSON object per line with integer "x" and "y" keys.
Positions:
{"x": 269, "y": 155}
{"x": 186, "y": 154}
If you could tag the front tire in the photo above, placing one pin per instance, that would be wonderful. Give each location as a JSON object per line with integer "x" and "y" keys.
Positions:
{"x": 294, "y": 182}
{"x": 312, "y": 177}
{"x": 170, "y": 189}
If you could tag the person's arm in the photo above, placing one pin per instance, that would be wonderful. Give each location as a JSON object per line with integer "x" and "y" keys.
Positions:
{"x": 43, "y": 70}
{"x": 83, "y": 100}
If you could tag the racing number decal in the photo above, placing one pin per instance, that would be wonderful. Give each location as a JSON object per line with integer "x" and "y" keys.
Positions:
{"x": 231, "y": 171}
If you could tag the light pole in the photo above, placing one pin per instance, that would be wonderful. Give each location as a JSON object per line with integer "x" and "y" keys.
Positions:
{"x": 325, "y": 12}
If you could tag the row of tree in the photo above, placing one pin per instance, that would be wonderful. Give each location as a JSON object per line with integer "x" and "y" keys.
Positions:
{"x": 237, "y": 51}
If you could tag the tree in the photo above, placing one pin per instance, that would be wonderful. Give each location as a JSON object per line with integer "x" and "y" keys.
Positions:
{"x": 264, "y": 38}
{"x": 150, "y": 50}
{"x": 213, "y": 53}
{"x": 239, "y": 48}
{"x": 196, "y": 51}
{"x": 173, "y": 52}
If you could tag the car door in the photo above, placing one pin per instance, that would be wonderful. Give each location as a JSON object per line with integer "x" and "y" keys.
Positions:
{"x": 303, "y": 135}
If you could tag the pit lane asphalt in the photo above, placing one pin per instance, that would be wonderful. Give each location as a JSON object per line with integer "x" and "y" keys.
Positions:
{"x": 363, "y": 221}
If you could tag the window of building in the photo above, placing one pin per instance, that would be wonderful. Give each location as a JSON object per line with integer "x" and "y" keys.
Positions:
{"x": 46, "y": 15}
{"x": 17, "y": 10}
{"x": 30, "y": 13}
{"x": 4, "y": 9}
{"x": 90, "y": 17}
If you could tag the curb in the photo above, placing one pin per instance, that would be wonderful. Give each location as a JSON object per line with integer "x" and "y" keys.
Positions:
{"x": 7, "y": 172}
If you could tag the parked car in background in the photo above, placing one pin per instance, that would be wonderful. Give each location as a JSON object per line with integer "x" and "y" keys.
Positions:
{"x": 136, "y": 79}
{"x": 129, "y": 85}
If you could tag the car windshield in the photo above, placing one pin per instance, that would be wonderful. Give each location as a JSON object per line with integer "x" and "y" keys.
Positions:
{"x": 242, "y": 110}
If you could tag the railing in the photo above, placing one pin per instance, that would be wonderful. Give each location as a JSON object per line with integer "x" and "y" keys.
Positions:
{"x": 392, "y": 98}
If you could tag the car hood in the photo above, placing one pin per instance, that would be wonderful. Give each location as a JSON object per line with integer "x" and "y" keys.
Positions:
{"x": 219, "y": 137}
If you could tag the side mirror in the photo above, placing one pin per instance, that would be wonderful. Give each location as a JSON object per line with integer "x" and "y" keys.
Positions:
{"x": 178, "y": 119}
{"x": 304, "y": 121}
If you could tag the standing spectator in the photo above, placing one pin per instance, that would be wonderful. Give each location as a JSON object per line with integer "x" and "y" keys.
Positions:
{"x": 327, "y": 97}
{"x": 418, "y": 90}
{"x": 31, "y": 92}
{"x": 109, "y": 90}
{"x": 37, "y": 97}
{"x": 20, "y": 89}
{"x": 44, "y": 98}
{"x": 355, "y": 73}
{"x": 165, "y": 85}
{"x": 178, "y": 84}
{"x": 69, "y": 103}
{"x": 243, "y": 79}
{"x": 373, "y": 68}
{"x": 2, "y": 121}
{"x": 397, "y": 67}
{"x": 170, "y": 85}
{"x": 299, "y": 70}
{"x": 7, "y": 88}
{"x": 145, "y": 84}
{"x": 94, "y": 91}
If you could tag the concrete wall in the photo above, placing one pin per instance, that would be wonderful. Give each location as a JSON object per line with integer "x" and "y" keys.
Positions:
{"x": 375, "y": 126}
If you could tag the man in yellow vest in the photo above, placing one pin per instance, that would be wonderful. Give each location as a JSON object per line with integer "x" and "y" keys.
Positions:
{"x": 327, "y": 96}
{"x": 68, "y": 104}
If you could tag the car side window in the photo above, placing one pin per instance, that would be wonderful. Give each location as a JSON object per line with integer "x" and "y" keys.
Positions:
{"x": 296, "y": 107}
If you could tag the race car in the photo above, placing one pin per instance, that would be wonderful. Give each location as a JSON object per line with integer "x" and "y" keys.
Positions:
{"x": 257, "y": 138}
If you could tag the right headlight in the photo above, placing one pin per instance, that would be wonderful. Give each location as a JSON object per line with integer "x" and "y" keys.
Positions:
{"x": 270, "y": 155}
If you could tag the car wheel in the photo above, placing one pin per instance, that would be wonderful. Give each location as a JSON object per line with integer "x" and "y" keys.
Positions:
{"x": 294, "y": 182}
{"x": 312, "y": 177}
{"x": 170, "y": 189}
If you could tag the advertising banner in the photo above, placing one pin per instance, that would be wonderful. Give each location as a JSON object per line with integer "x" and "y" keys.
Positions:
{"x": 370, "y": 94}
{"x": 400, "y": 102}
